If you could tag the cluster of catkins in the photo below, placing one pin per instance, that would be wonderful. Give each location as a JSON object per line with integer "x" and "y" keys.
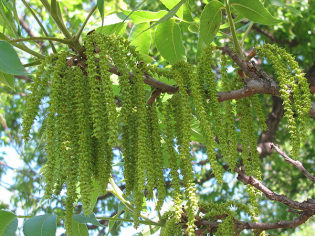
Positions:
{"x": 84, "y": 122}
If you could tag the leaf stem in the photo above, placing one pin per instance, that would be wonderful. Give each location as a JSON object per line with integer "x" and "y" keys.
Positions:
{"x": 118, "y": 193}
{"x": 26, "y": 49}
{"x": 233, "y": 31}
{"x": 77, "y": 36}
{"x": 65, "y": 41}
{"x": 130, "y": 220}
{"x": 246, "y": 33}
{"x": 59, "y": 22}
{"x": 40, "y": 24}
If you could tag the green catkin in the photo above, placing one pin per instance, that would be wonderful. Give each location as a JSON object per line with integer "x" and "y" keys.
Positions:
{"x": 127, "y": 114}
{"x": 152, "y": 179}
{"x": 108, "y": 95}
{"x": 173, "y": 159}
{"x": 53, "y": 124}
{"x": 256, "y": 104}
{"x": 95, "y": 88}
{"x": 299, "y": 87}
{"x": 157, "y": 156}
{"x": 38, "y": 89}
{"x": 71, "y": 165}
{"x": 250, "y": 155}
{"x": 184, "y": 150}
{"x": 171, "y": 229}
{"x": 206, "y": 126}
{"x": 129, "y": 141}
{"x": 207, "y": 75}
{"x": 229, "y": 121}
{"x": 141, "y": 144}
{"x": 226, "y": 228}
{"x": 84, "y": 136}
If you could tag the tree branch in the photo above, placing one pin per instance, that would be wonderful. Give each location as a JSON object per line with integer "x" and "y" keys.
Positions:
{"x": 307, "y": 206}
{"x": 241, "y": 225}
{"x": 297, "y": 164}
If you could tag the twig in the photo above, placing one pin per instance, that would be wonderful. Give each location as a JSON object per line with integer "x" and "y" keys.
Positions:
{"x": 297, "y": 164}
{"x": 304, "y": 206}
{"x": 241, "y": 225}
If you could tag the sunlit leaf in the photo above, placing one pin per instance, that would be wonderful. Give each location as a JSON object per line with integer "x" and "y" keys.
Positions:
{"x": 7, "y": 79}
{"x": 169, "y": 15}
{"x": 171, "y": 4}
{"x": 210, "y": 20}
{"x": 169, "y": 42}
{"x": 254, "y": 11}
{"x": 118, "y": 28}
{"x": 145, "y": 16}
{"x": 141, "y": 38}
{"x": 100, "y": 7}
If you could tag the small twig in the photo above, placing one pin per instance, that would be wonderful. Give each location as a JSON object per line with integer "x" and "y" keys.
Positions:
{"x": 304, "y": 206}
{"x": 297, "y": 164}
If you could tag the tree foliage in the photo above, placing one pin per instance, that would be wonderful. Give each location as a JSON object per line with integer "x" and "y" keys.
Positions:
{"x": 186, "y": 117}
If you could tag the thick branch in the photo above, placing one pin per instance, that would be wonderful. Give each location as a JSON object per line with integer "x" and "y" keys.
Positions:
{"x": 254, "y": 82}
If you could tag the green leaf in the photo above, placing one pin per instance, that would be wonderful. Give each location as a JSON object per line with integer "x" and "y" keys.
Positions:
{"x": 187, "y": 15}
{"x": 7, "y": 79}
{"x": 194, "y": 28}
{"x": 16, "y": 17}
{"x": 145, "y": 16}
{"x": 9, "y": 60}
{"x": 100, "y": 7}
{"x": 149, "y": 230}
{"x": 114, "y": 18}
{"x": 118, "y": 28}
{"x": 79, "y": 229}
{"x": 279, "y": 3}
{"x": 254, "y": 11}
{"x": 169, "y": 42}
{"x": 44, "y": 225}
{"x": 170, "y": 4}
{"x": 8, "y": 19}
{"x": 141, "y": 38}
{"x": 114, "y": 24}
{"x": 8, "y": 223}
{"x": 210, "y": 20}
{"x": 169, "y": 15}
{"x": 83, "y": 219}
